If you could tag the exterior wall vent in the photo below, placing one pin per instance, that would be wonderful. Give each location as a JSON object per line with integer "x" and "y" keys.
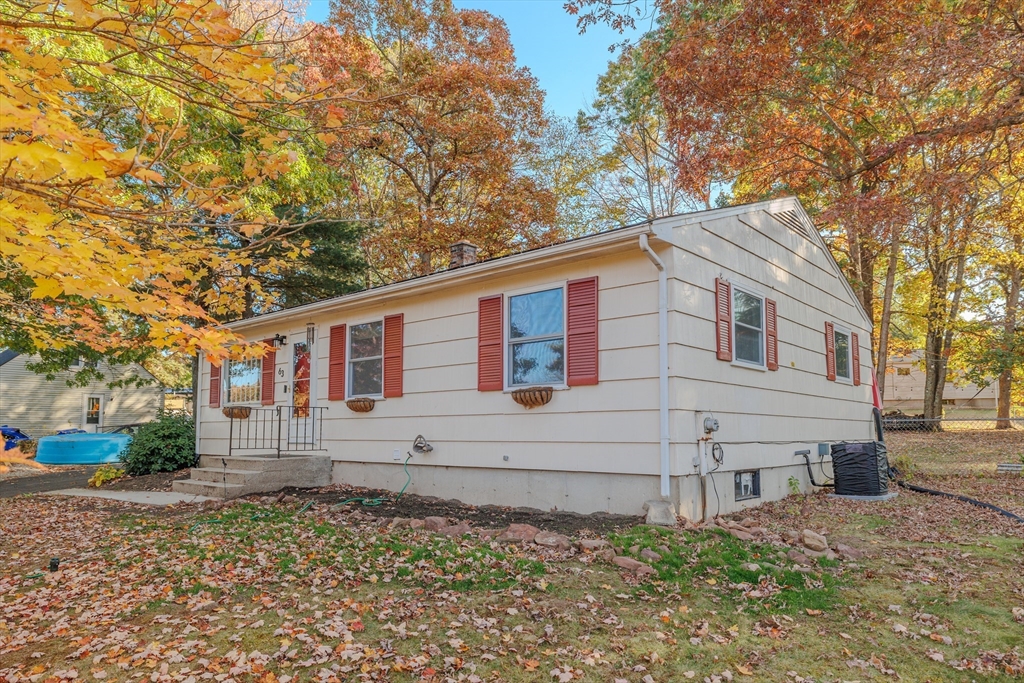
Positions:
{"x": 791, "y": 220}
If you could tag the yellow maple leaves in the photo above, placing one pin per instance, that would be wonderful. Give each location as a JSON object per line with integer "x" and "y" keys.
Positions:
{"x": 108, "y": 219}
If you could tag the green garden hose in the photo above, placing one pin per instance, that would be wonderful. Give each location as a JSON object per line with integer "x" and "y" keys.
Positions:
{"x": 374, "y": 502}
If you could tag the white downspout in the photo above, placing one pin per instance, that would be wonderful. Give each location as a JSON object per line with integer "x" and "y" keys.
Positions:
{"x": 662, "y": 361}
{"x": 196, "y": 403}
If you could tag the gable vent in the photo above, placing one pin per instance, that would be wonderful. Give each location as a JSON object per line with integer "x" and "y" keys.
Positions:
{"x": 791, "y": 220}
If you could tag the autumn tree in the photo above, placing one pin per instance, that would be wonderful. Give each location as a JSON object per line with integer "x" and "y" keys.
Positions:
{"x": 836, "y": 102}
{"x": 110, "y": 180}
{"x": 642, "y": 172}
{"x": 444, "y": 122}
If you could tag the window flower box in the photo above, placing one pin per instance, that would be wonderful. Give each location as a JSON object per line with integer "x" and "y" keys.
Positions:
{"x": 533, "y": 397}
{"x": 360, "y": 405}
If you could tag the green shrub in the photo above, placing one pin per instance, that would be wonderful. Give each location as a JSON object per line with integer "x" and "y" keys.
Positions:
{"x": 105, "y": 474}
{"x": 166, "y": 444}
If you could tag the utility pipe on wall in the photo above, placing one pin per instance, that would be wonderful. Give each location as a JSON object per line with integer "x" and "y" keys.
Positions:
{"x": 662, "y": 361}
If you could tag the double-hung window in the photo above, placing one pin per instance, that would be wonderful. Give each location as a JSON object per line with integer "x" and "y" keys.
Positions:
{"x": 242, "y": 381}
{"x": 366, "y": 359}
{"x": 842, "y": 344}
{"x": 748, "y": 327}
{"x": 536, "y": 338}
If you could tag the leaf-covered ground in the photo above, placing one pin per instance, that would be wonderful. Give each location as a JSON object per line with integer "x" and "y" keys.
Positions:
{"x": 261, "y": 592}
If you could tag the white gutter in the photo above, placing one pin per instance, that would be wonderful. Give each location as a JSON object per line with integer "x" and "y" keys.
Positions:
{"x": 662, "y": 361}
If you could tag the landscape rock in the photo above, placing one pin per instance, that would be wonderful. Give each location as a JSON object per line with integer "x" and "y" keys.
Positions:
{"x": 748, "y": 522}
{"x": 519, "y": 533}
{"x": 848, "y": 552}
{"x": 660, "y": 513}
{"x": 606, "y": 554}
{"x": 813, "y": 540}
{"x": 751, "y": 567}
{"x": 417, "y": 524}
{"x": 799, "y": 558}
{"x": 455, "y": 530}
{"x": 290, "y": 499}
{"x": 742, "y": 535}
{"x": 401, "y": 523}
{"x": 550, "y": 539}
{"x": 791, "y": 536}
{"x": 650, "y": 555}
{"x": 593, "y": 544}
{"x": 488, "y": 534}
{"x": 635, "y": 566}
{"x": 664, "y": 549}
{"x": 634, "y": 549}
{"x": 434, "y": 523}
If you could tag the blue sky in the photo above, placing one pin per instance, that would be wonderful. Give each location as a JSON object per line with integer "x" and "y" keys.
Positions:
{"x": 546, "y": 41}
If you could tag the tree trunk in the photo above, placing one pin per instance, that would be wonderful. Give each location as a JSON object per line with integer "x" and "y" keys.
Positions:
{"x": 942, "y": 315}
{"x": 1003, "y": 400}
{"x": 883, "y": 328}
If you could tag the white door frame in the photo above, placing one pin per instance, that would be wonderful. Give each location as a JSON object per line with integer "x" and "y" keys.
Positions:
{"x": 93, "y": 428}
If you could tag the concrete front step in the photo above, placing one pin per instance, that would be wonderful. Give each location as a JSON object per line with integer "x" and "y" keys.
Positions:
{"x": 234, "y": 476}
{"x": 222, "y": 475}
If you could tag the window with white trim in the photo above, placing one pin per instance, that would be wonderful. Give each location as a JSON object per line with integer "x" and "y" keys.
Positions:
{"x": 242, "y": 380}
{"x": 536, "y": 338}
{"x": 842, "y": 343}
{"x": 366, "y": 359}
{"x": 747, "y": 327}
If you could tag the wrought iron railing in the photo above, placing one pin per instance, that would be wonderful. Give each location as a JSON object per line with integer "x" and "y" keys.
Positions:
{"x": 273, "y": 431}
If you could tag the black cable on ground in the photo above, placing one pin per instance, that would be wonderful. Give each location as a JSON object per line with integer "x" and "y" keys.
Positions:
{"x": 972, "y": 501}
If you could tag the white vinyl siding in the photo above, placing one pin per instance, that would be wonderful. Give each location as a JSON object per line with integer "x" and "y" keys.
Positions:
{"x": 40, "y": 407}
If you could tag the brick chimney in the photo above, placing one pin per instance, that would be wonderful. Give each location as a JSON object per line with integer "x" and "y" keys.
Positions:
{"x": 463, "y": 254}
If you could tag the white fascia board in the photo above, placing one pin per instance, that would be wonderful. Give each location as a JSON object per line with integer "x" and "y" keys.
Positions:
{"x": 585, "y": 247}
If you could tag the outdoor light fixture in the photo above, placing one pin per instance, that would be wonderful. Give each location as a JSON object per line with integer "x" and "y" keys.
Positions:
{"x": 279, "y": 340}
{"x": 310, "y": 334}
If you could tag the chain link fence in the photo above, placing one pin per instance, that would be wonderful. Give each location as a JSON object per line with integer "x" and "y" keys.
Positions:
{"x": 954, "y": 445}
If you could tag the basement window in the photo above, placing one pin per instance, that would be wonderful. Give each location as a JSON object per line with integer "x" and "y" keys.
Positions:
{"x": 747, "y": 484}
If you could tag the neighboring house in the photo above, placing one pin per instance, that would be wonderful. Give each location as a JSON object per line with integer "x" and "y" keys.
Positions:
{"x": 736, "y": 317}
{"x": 39, "y": 407}
{"x": 904, "y": 388}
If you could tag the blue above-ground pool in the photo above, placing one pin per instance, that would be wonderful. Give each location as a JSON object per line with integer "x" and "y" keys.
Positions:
{"x": 81, "y": 449}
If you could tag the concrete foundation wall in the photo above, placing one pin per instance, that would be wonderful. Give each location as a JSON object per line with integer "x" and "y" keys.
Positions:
{"x": 582, "y": 492}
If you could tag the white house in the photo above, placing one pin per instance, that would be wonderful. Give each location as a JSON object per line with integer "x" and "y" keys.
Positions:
{"x": 904, "y": 387}
{"x": 737, "y": 318}
{"x": 38, "y": 406}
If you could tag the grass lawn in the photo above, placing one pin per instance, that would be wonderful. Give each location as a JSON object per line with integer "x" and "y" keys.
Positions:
{"x": 288, "y": 592}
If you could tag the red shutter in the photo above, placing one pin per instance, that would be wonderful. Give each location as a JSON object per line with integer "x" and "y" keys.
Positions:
{"x": 581, "y": 335}
{"x": 267, "y": 379}
{"x": 336, "y": 365}
{"x": 830, "y": 352}
{"x": 855, "y": 356}
{"x": 771, "y": 334}
{"x": 489, "y": 363}
{"x": 723, "y": 318}
{"x": 393, "y": 331}
{"x": 215, "y": 386}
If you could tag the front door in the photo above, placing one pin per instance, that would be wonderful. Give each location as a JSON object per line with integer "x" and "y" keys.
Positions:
{"x": 302, "y": 378}
{"x": 92, "y": 414}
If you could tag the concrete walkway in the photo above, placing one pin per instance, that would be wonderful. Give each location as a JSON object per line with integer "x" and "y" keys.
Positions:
{"x": 162, "y": 498}
{"x": 50, "y": 481}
